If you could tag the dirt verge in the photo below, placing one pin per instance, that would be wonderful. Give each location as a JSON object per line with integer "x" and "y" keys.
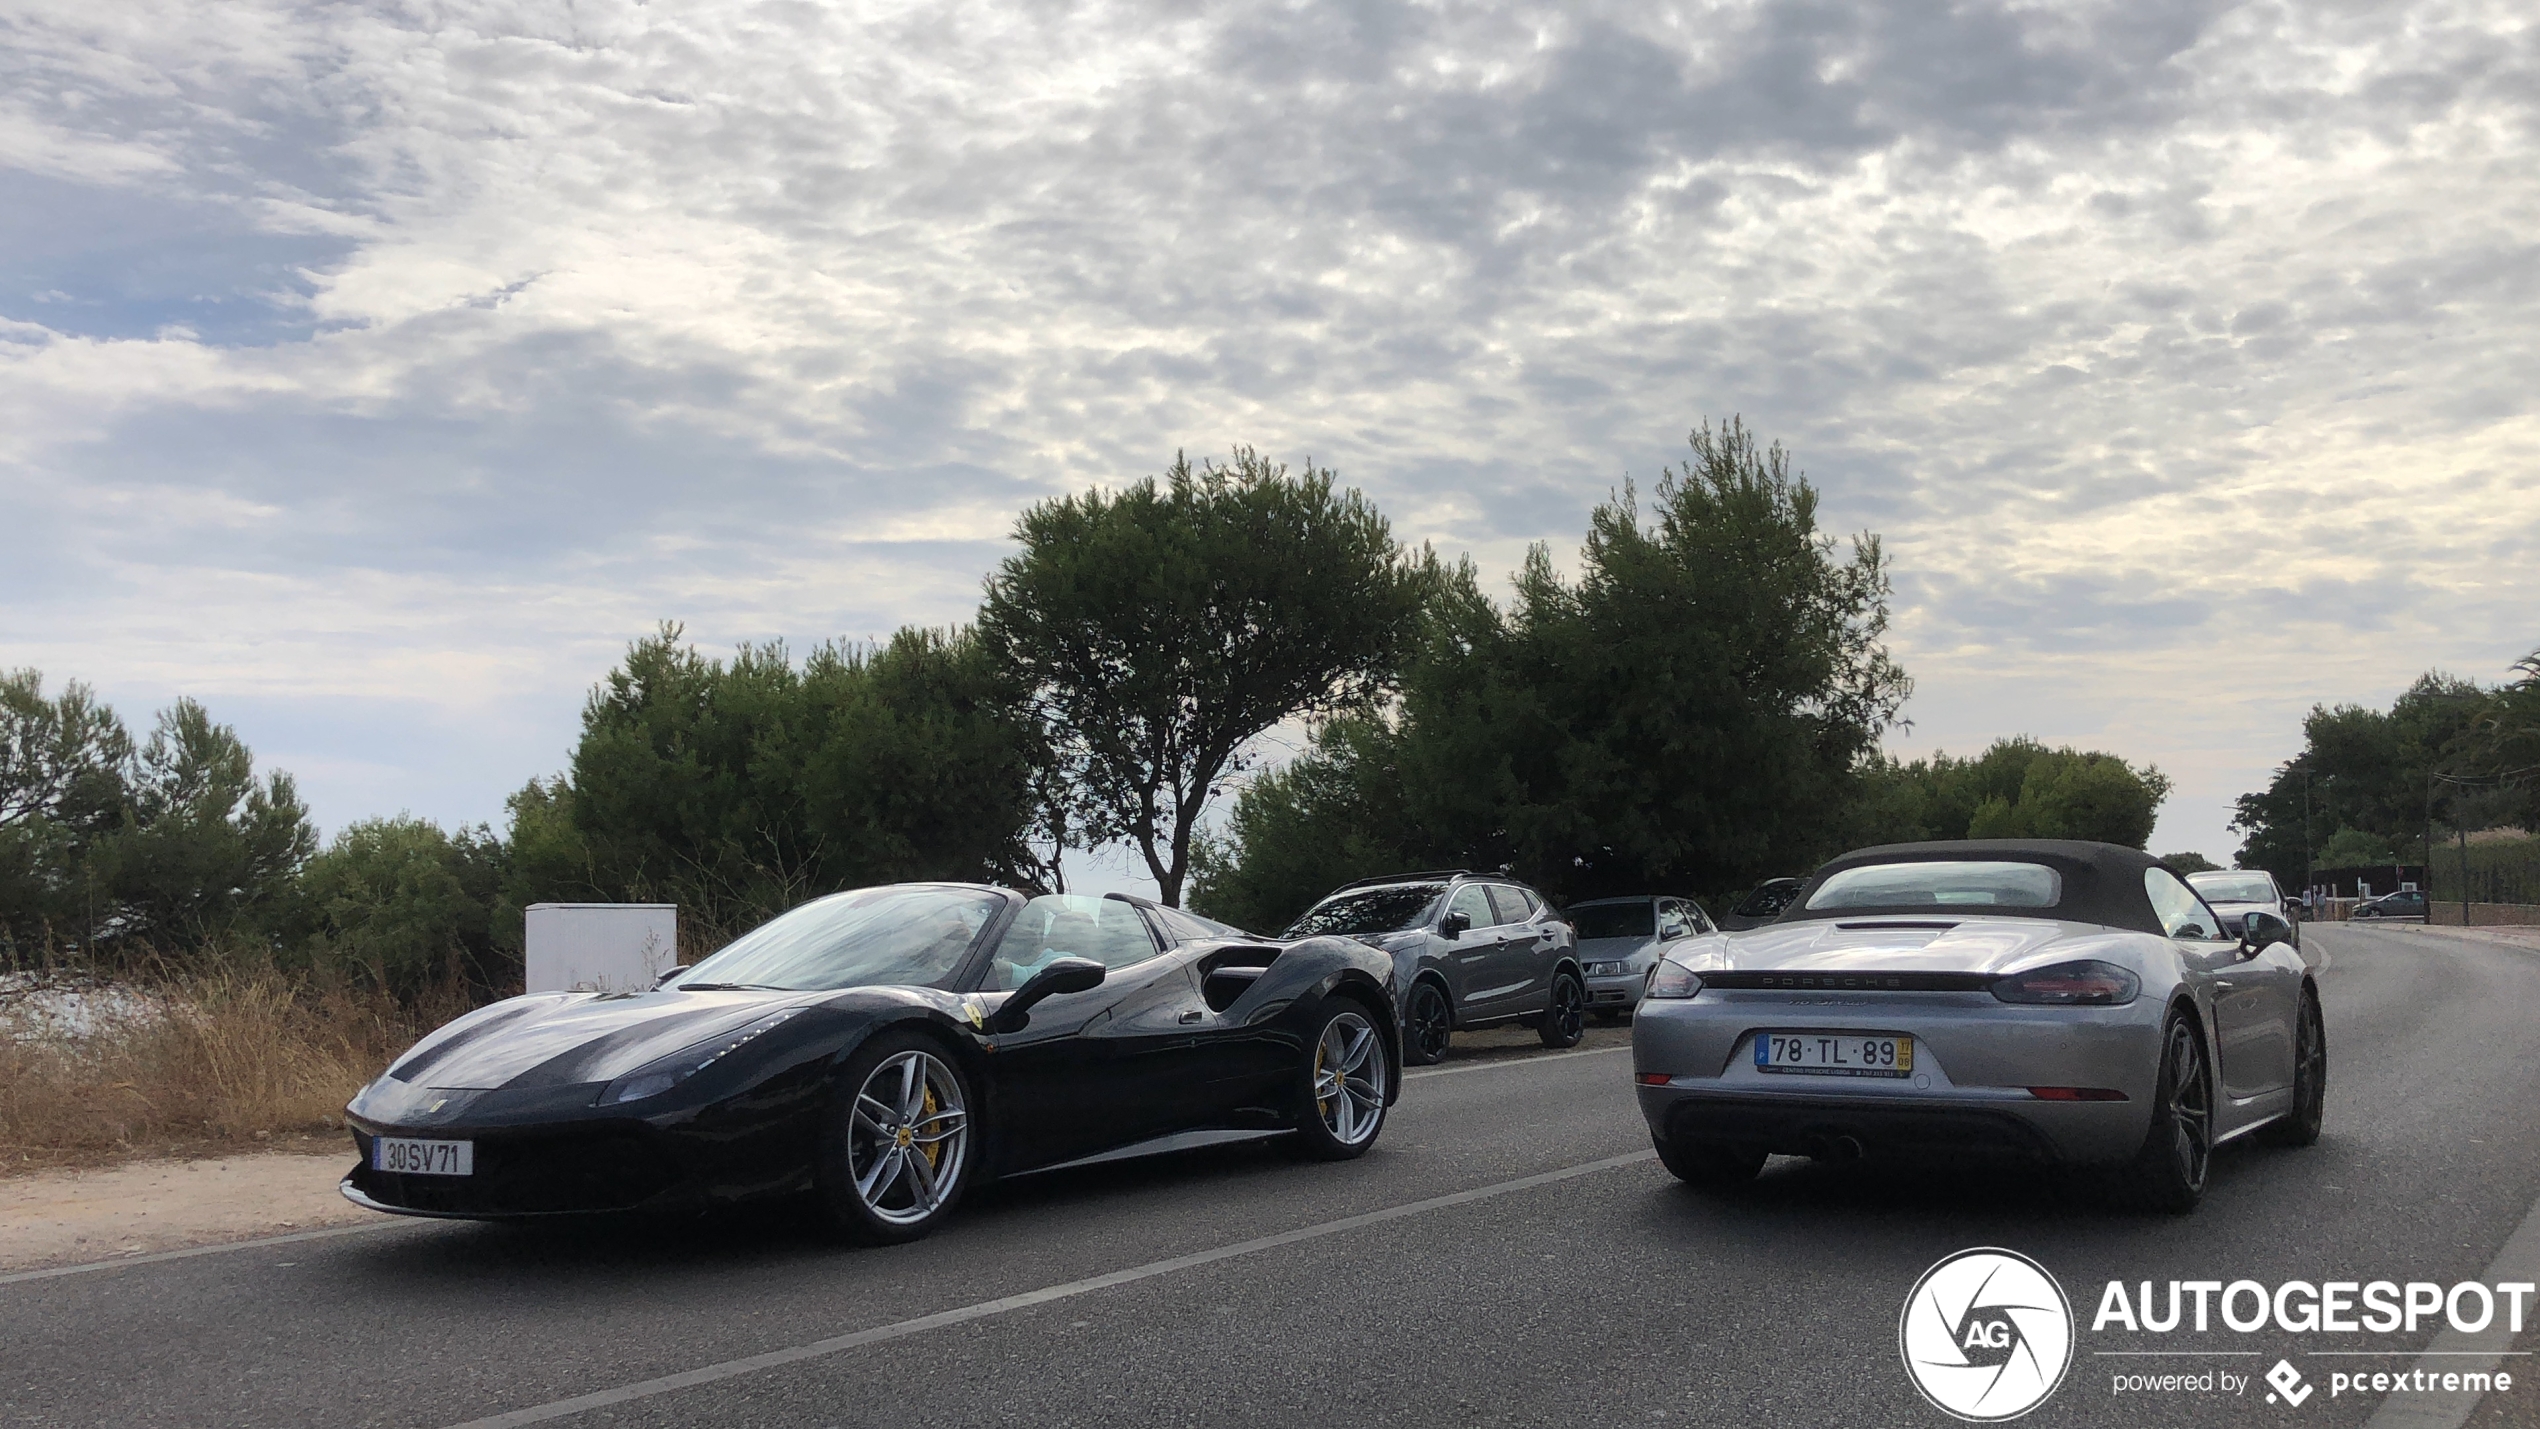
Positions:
{"x": 52, "y": 1218}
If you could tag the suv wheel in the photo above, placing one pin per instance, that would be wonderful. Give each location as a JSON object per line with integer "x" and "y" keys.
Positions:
{"x": 1565, "y": 1015}
{"x": 1428, "y": 1024}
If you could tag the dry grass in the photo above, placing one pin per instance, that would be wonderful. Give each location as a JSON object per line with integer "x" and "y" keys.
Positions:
{"x": 199, "y": 1063}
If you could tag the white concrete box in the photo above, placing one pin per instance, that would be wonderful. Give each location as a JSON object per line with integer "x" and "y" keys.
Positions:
{"x": 601, "y": 947}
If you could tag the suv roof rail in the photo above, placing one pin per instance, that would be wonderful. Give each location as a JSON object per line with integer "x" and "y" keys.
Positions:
{"x": 1424, "y": 874}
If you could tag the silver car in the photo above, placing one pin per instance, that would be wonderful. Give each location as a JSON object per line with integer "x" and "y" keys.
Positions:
{"x": 2037, "y": 1000}
{"x": 1619, "y": 942}
{"x": 2236, "y": 893}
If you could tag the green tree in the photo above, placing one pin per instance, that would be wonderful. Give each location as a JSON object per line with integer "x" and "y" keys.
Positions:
{"x": 740, "y": 788}
{"x": 205, "y": 849}
{"x": 65, "y": 763}
{"x": 401, "y": 904}
{"x": 2184, "y": 863}
{"x": 2353, "y": 848}
{"x": 1694, "y": 711}
{"x": 2017, "y": 788}
{"x": 2369, "y": 770}
{"x": 1156, "y": 631}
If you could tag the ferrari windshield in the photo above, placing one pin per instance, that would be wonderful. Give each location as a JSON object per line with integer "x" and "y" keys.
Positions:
{"x": 1367, "y": 910}
{"x": 871, "y": 937}
{"x": 1636, "y": 919}
{"x": 2233, "y": 887}
{"x": 1949, "y": 884}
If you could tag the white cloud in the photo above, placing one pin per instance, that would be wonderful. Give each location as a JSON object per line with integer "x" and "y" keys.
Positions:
{"x": 2180, "y": 351}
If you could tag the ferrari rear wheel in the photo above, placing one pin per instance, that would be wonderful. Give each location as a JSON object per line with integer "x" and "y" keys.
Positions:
{"x": 2301, "y": 1125}
{"x": 1428, "y": 1026}
{"x": 2168, "y": 1174}
{"x": 1565, "y": 1015}
{"x": 1344, "y": 1087}
{"x": 895, "y": 1156}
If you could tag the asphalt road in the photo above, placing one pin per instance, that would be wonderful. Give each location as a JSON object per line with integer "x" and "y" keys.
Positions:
{"x": 1507, "y": 1255}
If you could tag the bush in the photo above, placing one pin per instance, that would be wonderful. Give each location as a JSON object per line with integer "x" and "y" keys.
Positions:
{"x": 398, "y": 905}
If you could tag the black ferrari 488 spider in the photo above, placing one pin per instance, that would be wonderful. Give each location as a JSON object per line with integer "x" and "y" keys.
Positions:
{"x": 883, "y": 1050}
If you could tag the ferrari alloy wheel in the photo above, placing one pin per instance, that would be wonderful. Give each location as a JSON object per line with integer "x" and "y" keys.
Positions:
{"x": 1430, "y": 1026}
{"x": 1345, "y": 1087}
{"x": 2168, "y": 1174}
{"x": 897, "y": 1153}
{"x": 2301, "y": 1125}
{"x": 1565, "y": 1015}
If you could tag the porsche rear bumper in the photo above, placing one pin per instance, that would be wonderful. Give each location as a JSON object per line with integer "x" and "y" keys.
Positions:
{"x": 1980, "y": 1067}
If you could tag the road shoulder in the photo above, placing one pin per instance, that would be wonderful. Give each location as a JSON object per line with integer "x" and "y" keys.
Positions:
{"x": 50, "y": 1218}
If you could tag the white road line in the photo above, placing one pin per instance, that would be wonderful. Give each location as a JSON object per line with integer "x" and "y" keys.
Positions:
{"x": 154, "y": 1258}
{"x": 708, "y": 1374}
{"x": 2455, "y": 1353}
{"x": 1493, "y": 1066}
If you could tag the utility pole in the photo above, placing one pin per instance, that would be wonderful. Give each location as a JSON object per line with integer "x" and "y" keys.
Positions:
{"x": 2463, "y": 831}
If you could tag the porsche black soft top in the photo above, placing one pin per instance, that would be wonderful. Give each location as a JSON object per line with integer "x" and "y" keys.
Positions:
{"x": 2102, "y": 883}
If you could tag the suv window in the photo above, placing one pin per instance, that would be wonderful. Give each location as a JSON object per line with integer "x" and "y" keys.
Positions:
{"x": 2178, "y": 907}
{"x": 1473, "y": 901}
{"x": 1672, "y": 922}
{"x": 1513, "y": 904}
{"x": 1069, "y": 925}
{"x": 1388, "y": 908}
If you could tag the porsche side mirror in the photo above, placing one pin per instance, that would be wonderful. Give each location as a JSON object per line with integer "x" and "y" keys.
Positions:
{"x": 1453, "y": 925}
{"x": 2261, "y": 930}
{"x": 1064, "y": 975}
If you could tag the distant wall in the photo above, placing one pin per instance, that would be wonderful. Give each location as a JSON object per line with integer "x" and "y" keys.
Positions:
{"x": 2486, "y": 914}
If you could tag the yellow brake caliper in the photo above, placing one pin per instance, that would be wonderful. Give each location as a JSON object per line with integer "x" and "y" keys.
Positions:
{"x": 934, "y": 1149}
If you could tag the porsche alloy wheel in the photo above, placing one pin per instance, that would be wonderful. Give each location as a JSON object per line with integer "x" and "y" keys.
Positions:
{"x": 1565, "y": 1016}
{"x": 2301, "y": 1125}
{"x": 898, "y": 1153}
{"x": 1345, "y": 1087}
{"x": 1430, "y": 1026}
{"x": 2168, "y": 1174}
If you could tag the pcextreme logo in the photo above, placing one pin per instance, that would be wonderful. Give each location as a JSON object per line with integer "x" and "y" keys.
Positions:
{"x": 1986, "y": 1335}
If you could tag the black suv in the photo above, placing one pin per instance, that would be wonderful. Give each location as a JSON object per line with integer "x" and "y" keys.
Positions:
{"x": 1469, "y": 949}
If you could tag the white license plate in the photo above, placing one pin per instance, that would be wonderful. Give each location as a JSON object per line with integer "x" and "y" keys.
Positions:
{"x": 408, "y": 1157}
{"x": 1835, "y": 1054}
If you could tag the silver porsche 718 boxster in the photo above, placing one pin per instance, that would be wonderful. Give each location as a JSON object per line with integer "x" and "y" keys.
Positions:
{"x": 2066, "y": 1003}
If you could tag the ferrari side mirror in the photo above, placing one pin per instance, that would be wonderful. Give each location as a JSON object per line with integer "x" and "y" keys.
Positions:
{"x": 1062, "y": 976}
{"x": 668, "y": 973}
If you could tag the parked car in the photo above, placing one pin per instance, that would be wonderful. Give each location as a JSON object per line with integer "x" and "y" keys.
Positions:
{"x": 2032, "y": 1000}
{"x": 1619, "y": 942}
{"x": 1469, "y": 950}
{"x": 2236, "y": 893}
{"x": 881, "y": 1051}
{"x": 1761, "y": 906}
{"x": 2405, "y": 906}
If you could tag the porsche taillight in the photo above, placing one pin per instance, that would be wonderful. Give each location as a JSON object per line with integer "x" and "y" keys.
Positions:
{"x": 2089, "y": 983}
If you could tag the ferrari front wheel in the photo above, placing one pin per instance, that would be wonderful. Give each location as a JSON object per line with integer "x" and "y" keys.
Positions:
{"x": 895, "y": 1152}
{"x": 1345, "y": 1081}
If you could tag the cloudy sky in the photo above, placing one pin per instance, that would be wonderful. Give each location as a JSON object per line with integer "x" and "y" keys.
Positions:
{"x": 376, "y": 372}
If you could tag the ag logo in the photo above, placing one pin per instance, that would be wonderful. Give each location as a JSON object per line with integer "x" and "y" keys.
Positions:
{"x": 1986, "y": 1334}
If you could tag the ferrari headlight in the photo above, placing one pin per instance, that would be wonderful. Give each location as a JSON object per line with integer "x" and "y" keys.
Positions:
{"x": 1672, "y": 979}
{"x": 661, "y": 1074}
{"x": 2090, "y": 983}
